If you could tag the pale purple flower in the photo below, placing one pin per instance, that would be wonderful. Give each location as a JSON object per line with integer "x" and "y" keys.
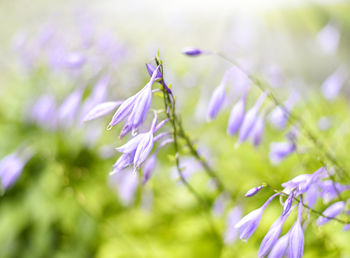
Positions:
{"x": 296, "y": 237}
{"x": 279, "y": 116}
{"x": 333, "y": 84}
{"x": 74, "y": 60}
{"x": 143, "y": 149}
{"x": 311, "y": 196}
{"x": 44, "y": 112}
{"x": 280, "y": 248}
{"x": 331, "y": 212}
{"x": 150, "y": 69}
{"x": 248, "y": 224}
{"x": 216, "y": 101}
{"x": 69, "y": 108}
{"x": 136, "y": 107}
{"x": 220, "y": 204}
{"x": 346, "y": 227}
{"x": 191, "y": 51}
{"x": 125, "y": 183}
{"x": 148, "y": 168}
{"x": 328, "y": 38}
{"x": 11, "y": 167}
{"x": 280, "y": 150}
{"x": 288, "y": 203}
{"x": 231, "y": 234}
{"x": 330, "y": 189}
{"x": 124, "y": 161}
{"x": 272, "y": 235}
{"x": 253, "y": 191}
{"x": 101, "y": 110}
{"x": 250, "y": 119}
{"x": 236, "y": 116}
{"x": 258, "y": 130}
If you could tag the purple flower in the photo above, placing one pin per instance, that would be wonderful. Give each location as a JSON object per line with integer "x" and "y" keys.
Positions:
{"x": 136, "y": 107}
{"x": 253, "y": 191}
{"x": 288, "y": 203}
{"x": 331, "y": 212}
{"x": 330, "y": 189}
{"x": 272, "y": 235}
{"x": 231, "y": 234}
{"x": 191, "y": 51}
{"x": 218, "y": 97}
{"x": 74, "y": 60}
{"x": 311, "y": 196}
{"x": 148, "y": 168}
{"x": 44, "y": 112}
{"x": 328, "y": 38}
{"x": 101, "y": 110}
{"x": 125, "y": 183}
{"x": 124, "y": 161}
{"x": 296, "y": 237}
{"x": 346, "y": 227}
{"x": 280, "y": 248}
{"x": 69, "y": 108}
{"x": 11, "y": 167}
{"x": 258, "y": 130}
{"x": 280, "y": 150}
{"x": 250, "y": 119}
{"x": 219, "y": 205}
{"x": 333, "y": 84}
{"x": 236, "y": 116}
{"x": 248, "y": 224}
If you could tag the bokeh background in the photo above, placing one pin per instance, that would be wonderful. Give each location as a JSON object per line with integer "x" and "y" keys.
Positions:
{"x": 65, "y": 204}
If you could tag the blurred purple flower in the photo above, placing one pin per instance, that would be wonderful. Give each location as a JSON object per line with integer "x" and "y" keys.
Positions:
{"x": 236, "y": 116}
{"x": 280, "y": 150}
{"x": 258, "y": 130}
{"x": 44, "y": 112}
{"x": 248, "y": 224}
{"x": 125, "y": 183}
{"x": 74, "y": 60}
{"x": 11, "y": 167}
{"x": 231, "y": 234}
{"x": 101, "y": 110}
{"x": 250, "y": 119}
{"x": 333, "y": 84}
{"x": 330, "y": 189}
{"x": 331, "y": 212}
{"x": 68, "y": 109}
{"x": 218, "y": 97}
{"x": 328, "y": 38}
{"x": 220, "y": 204}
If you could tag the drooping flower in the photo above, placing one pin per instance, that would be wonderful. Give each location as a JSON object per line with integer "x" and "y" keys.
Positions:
{"x": 248, "y": 224}
{"x": 101, "y": 110}
{"x": 151, "y": 68}
{"x": 220, "y": 203}
{"x": 280, "y": 248}
{"x": 148, "y": 168}
{"x": 236, "y": 116}
{"x": 135, "y": 107}
{"x": 218, "y": 97}
{"x": 67, "y": 111}
{"x": 272, "y": 235}
{"x": 11, "y": 167}
{"x": 296, "y": 237}
{"x": 280, "y": 150}
{"x": 331, "y": 212}
{"x": 333, "y": 84}
{"x": 125, "y": 183}
{"x": 258, "y": 130}
{"x": 250, "y": 119}
{"x": 330, "y": 189}
{"x": 231, "y": 234}
{"x": 328, "y": 38}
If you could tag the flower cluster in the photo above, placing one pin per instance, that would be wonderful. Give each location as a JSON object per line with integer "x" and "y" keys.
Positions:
{"x": 304, "y": 190}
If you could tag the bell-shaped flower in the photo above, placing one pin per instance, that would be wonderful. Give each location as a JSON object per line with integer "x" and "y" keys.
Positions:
{"x": 331, "y": 189}
{"x": 280, "y": 248}
{"x": 136, "y": 106}
{"x": 101, "y": 110}
{"x": 280, "y": 150}
{"x": 272, "y": 235}
{"x": 333, "y": 84}
{"x": 231, "y": 233}
{"x": 331, "y": 212}
{"x": 11, "y": 167}
{"x": 249, "y": 223}
{"x": 296, "y": 237}
{"x": 236, "y": 116}
{"x": 250, "y": 119}
{"x": 148, "y": 168}
{"x": 258, "y": 130}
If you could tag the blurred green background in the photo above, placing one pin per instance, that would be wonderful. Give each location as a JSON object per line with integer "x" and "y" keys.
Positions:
{"x": 65, "y": 205}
